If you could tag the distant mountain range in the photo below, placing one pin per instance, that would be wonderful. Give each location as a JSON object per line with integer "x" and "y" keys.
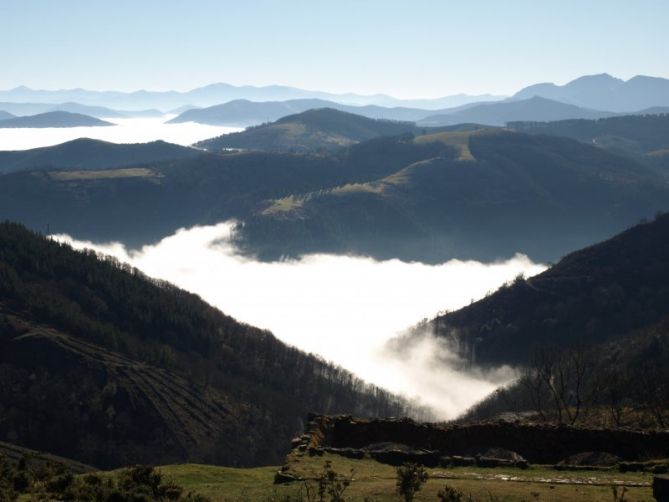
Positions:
{"x": 604, "y": 92}
{"x": 219, "y": 93}
{"x": 53, "y": 119}
{"x": 91, "y": 154}
{"x": 5, "y": 115}
{"x": 242, "y": 113}
{"x": 498, "y": 114}
{"x": 101, "y": 112}
{"x": 587, "y": 97}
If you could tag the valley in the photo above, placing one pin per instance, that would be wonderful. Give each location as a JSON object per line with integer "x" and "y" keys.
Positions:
{"x": 334, "y": 251}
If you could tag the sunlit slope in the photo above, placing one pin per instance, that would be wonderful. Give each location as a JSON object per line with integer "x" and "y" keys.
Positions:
{"x": 496, "y": 194}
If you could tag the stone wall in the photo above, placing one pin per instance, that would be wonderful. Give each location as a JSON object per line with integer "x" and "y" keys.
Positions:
{"x": 541, "y": 444}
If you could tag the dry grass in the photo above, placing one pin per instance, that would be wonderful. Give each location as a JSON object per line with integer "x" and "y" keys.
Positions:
{"x": 132, "y": 172}
{"x": 456, "y": 139}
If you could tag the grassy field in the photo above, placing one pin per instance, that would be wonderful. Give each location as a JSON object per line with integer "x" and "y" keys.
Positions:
{"x": 376, "y": 482}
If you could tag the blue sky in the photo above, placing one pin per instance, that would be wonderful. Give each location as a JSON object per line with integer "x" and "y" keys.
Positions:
{"x": 417, "y": 48}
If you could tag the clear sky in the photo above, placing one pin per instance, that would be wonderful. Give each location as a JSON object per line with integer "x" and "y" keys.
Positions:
{"x": 410, "y": 48}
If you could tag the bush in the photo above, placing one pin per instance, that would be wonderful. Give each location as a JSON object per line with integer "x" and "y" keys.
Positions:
{"x": 410, "y": 479}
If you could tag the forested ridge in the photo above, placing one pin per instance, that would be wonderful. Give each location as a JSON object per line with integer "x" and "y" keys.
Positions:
{"x": 101, "y": 364}
{"x": 591, "y": 333}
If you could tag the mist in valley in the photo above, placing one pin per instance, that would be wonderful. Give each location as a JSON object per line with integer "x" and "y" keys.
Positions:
{"x": 343, "y": 308}
{"x": 124, "y": 130}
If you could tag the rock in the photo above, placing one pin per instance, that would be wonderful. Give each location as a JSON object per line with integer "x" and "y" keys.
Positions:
{"x": 661, "y": 488}
{"x": 458, "y": 461}
{"x": 398, "y": 457}
{"x": 499, "y": 457}
{"x": 503, "y": 454}
{"x": 632, "y": 466}
{"x": 660, "y": 469}
{"x": 591, "y": 458}
{"x": 284, "y": 476}
{"x": 295, "y": 442}
{"x": 347, "y": 452}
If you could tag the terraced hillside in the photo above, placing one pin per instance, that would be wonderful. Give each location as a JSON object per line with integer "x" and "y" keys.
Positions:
{"x": 103, "y": 365}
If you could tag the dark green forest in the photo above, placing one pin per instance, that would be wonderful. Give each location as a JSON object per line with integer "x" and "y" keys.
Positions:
{"x": 591, "y": 332}
{"x": 104, "y": 365}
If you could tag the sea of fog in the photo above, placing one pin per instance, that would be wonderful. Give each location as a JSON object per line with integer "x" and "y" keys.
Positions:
{"x": 343, "y": 308}
{"x": 125, "y": 130}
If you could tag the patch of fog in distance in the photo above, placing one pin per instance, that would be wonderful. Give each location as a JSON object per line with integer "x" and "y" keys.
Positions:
{"x": 343, "y": 308}
{"x": 125, "y": 130}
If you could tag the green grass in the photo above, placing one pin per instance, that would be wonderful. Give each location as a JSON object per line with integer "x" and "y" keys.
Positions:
{"x": 376, "y": 482}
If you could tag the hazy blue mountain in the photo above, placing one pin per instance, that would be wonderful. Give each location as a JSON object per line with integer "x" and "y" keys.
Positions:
{"x": 218, "y": 93}
{"x": 309, "y": 131}
{"x": 22, "y": 109}
{"x": 498, "y": 114}
{"x": 53, "y": 119}
{"x": 5, "y": 115}
{"x": 91, "y": 154}
{"x": 242, "y": 113}
{"x": 604, "y": 92}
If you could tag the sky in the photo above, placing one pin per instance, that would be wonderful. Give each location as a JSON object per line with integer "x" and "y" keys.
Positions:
{"x": 417, "y": 49}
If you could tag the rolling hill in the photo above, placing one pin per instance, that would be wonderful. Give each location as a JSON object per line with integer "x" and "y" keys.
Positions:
{"x": 499, "y": 113}
{"x": 315, "y": 129}
{"x": 5, "y": 115}
{"x": 464, "y": 193}
{"x": 143, "y": 205}
{"x": 106, "y": 366}
{"x": 635, "y": 135}
{"x": 53, "y": 119}
{"x": 242, "y": 112}
{"x": 91, "y": 154}
{"x": 492, "y": 194}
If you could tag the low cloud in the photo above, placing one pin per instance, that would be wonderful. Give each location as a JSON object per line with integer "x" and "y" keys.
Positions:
{"x": 344, "y": 308}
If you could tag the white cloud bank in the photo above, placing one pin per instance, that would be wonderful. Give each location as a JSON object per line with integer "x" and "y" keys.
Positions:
{"x": 343, "y": 308}
{"x": 125, "y": 130}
